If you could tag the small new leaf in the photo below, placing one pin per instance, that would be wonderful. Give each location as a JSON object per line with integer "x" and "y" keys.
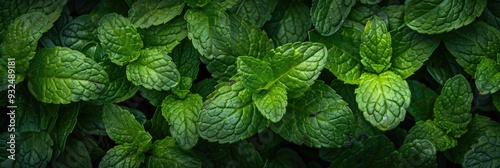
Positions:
{"x": 272, "y": 102}
{"x": 375, "y": 48}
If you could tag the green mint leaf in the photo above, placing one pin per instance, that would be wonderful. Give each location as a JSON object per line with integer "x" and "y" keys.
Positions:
{"x": 122, "y": 128}
{"x": 79, "y": 33}
{"x": 383, "y": 99}
{"x": 66, "y": 122}
{"x": 167, "y": 154}
{"x": 360, "y": 14}
{"x": 492, "y": 17}
{"x": 272, "y": 102}
{"x": 410, "y": 50}
{"x": 153, "y": 70}
{"x": 375, "y": 49}
{"x": 52, "y": 38}
{"x": 119, "y": 88}
{"x": 442, "y": 66}
{"x": 395, "y": 15}
{"x": 60, "y": 75}
{"x": 476, "y": 129}
{"x": 430, "y": 131}
{"x": 33, "y": 149}
{"x": 119, "y": 38}
{"x": 228, "y": 115}
{"x": 437, "y": 16}
{"x": 205, "y": 87}
{"x": 145, "y": 13}
{"x": 320, "y": 118}
{"x": 21, "y": 39}
{"x": 159, "y": 126}
{"x": 253, "y": 72}
{"x": 90, "y": 119}
{"x": 453, "y": 106}
{"x": 255, "y": 11}
{"x": 122, "y": 156}
{"x": 470, "y": 44}
{"x": 422, "y": 101}
{"x": 187, "y": 59}
{"x": 182, "y": 115}
{"x": 328, "y": 15}
{"x": 75, "y": 154}
{"x": 164, "y": 36}
{"x": 343, "y": 55}
{"x": 372, "y": 150}
{"x": 182, "y": 89}
{"x": 484, "y": 153}
{"x": 289, "y": 23}
{"x": 297, "y": 65}
{"x": 153, "y": 96}
{"x": 417, "y": 153}
{"x": 487, "y": 76}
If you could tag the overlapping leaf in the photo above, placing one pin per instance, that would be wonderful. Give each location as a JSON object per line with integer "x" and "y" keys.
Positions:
{"x": 153, "y": 70}
{"x": 328, "y": 15}
{"x": 375, "y": 49}
{"x": 145, "y": 13}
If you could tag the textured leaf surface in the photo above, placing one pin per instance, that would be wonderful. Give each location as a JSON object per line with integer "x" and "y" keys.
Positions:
{"x": 182, "y": 115}
{"x": 122, "y": 128}
{"x": 410, "y": 50}
{"x": 79, "y": 33}
{"x": 255, "y": 11}
{"x": 21, "y": 38}
{"x": 122, "y": 156}
{"x": 272, "y": 102}
{"x": 343, "y": 55}
{"x": 485, "y": 153}
{"x": 430, "y": 131}
{"x": 289, "y": 23}
{"x": 417, "y": 153}
{"x": 33, "y": 149}
{"x": 453, "y": 106}
{"x": 164, "y": 36}
{"x": 364, "y": 154}
{"x": 383, "y": 99}
{"x": 253, "y": 72}
{"x": 229, "y": 115}
{"x": 375, "y": 49}
{"x": 61, "y": 75}
{"x": 297, "y": 65}
{"x": 438, "y": 16}
{"x": 328, "y": 15}
{"x": 422, "y": 101}
{"x": 119, "y": 88}
{"x": 75, "y": 154}
{"x": 167, "y": 154}
{"x": 66, "y": 122}
{"x": 153, "y": 70}
{"x": 145, "y": 13}
{"x": 472, "y": 43}
{"x": 487, "y": 77}
{"x": 119, "y": 38}
{"x": 320, "y": 118}
{"x": 187, "y": 59}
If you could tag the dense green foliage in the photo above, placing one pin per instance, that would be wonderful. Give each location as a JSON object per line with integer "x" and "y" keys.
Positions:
{"x": 250, "y": 83}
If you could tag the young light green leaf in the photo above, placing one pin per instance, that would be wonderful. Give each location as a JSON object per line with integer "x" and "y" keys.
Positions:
{"x": 470, "y": 44}
{"x": 145, "y": 13}
{"x": 437, "y": 16}
{"x": 122, "y": 156}
{"x": 33, "y": 149}
{"x": 182, "y": 115}
{"x": 75, "y": 154}
{"x": 485, "y": 152}
{"x": 328, "y": 15}
{"x": 343, "y": 55}
{"x": 255, "y": 11}
{"x": 60, "y": 75}
{"x": 453, "y": 106}
{"x": 228, "y": 115}
{"x": 375, "y": 49}
{"x": 272, "y": 102}
{"x": 253, "y": 72}
{"x": 164, "y": 36}
{"x": 289, "y": 23}
{"x": 183, "y": 88}
{"x": 410, "y": 50}
{"x": 153, "y": 70}
{"x": 119, "y": 38}
{"x": 383, "y": 99}
{"x": 297, "y": 65}
{"x": 320, "y": 118}
{"x": 430, "y": 131}
{"x": 79, "y": 33}
{"x": 21, "y": 39}
{"x": 417, "y": 153}
{"x": 166, "y": 153}
{"x": 487, "y": 76}
{"x": 422, "y": 101}
{"x": 122, "y": 128}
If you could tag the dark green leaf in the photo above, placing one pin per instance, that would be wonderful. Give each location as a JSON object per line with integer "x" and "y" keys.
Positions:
{"x": 34, "y": 149}
{"x": 90, "y": 119}
{"x": 485, "y": 152}
{"x": 145, "y": 13}
{"x": 255, "y": 11}
{"x": 487, "y": 76}
{"x": 167, "y": 154}
{"x": 166, "y": 36}
{"x": 66, "y": 122}
{"x": 430, "y": 131}
{"x": 289, "y": 23}
{"x": 122, "y": 156}
{"x": 422, "y": 101}
{"x": 187, "y": 59}
{"x": 79, "y": 33}
{"x": 75, "y": 154}
{"x": 328, "y": 15}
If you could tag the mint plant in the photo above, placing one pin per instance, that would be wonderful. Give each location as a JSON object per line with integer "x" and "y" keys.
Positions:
{"x": 250, "y": 83}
